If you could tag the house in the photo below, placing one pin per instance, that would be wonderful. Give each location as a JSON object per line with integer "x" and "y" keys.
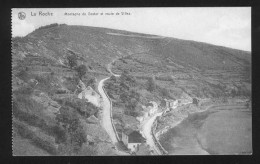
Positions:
{"x": 91, "y": 95}
{"x": 92, "y": 119}
{"x": 154, "y": 108}
{"x": 132, "y": 139}
{"x": 140, "y": 118}
{"x": 173, "y": 104}
{"x": 143, "y": 115}
{"x": 169, "y": 104}
{"x": 150, "y": 108}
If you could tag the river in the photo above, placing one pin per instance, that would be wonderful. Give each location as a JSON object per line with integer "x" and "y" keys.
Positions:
{"x": 215, "y": 131}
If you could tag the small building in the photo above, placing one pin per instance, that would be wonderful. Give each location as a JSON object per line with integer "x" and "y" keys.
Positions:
{"x": 154, "y": 108}
{"x": 132, "y": 139}
{"x": 146, "y": 114}
{"x": 150, "y": 108}
{"x": 92, "y": 119}
{"x": 173, "y": 104}
{"x": 169, "y": 104}
{"x": 91, "y": 95}
{"x": 140, "y": 118}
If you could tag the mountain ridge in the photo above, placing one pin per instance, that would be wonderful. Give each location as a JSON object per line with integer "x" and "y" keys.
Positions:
{"x": 145, "y": 34}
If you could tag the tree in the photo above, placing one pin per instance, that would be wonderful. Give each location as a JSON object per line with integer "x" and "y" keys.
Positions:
{"x": 165, "y": 92}
{"x": 72, "y": 60}
{"x": 233, "y": 92}
{"x": 125, "y": 72}
{"x": 82, "y": 70}
{"x": 195, "y": 101}
{"x": 151, "y": 85}
{"x": 75, "y": 135}
{"x": 113, "y": 78}
{"x": 91, "y": 82}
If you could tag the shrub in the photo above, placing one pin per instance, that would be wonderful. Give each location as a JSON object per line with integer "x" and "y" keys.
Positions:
{"x": 113, "y": 79}
{"x": 165, "y": 93}
{"x": 127, "y": 79}
{"x": 24, "y": 90}
{"x": 82, "y": 70}
{"x": 71, "y": 83}
{"x": 91, "y": 82}
{"x": 70, "y": 121}
{"x": 36, "y": 121}
{"x": 151, "y": 86}
{"x": 72, "y": 60}
{"x": 25, "y": 132}
{"x": 195, "y": 101}
{"x": 23, "y": 74}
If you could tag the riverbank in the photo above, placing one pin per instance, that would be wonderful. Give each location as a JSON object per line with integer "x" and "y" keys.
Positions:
{"x": 219, "y": 130}
{"x": 175, "y": 117}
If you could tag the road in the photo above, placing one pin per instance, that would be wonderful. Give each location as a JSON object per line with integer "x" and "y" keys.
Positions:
{"x": 146, "y": 129}
{"x": 109, "y": 68}
{"x": 146, "y": 126}
{"x": 106, "y": 117}
{"x": 106, "y": 105}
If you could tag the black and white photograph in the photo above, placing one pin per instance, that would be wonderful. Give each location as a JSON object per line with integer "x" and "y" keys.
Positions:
{"x": 146, "y": 81}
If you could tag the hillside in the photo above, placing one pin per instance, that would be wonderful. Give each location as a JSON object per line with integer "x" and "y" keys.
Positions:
{"x": 49, "y": 63}
{"x": 202, "y": 70}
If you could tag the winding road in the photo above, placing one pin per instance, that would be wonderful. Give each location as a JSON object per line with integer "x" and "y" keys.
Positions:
{"x": 106, "y": 117}
{"x": 107, "y": 121}
{"x": 146, "y": 130}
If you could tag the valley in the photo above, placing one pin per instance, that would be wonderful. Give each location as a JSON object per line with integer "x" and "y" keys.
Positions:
{"x": 80, "y": 90}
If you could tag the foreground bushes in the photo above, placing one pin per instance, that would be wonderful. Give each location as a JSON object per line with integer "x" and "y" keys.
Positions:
{"x": 67, "y": 130}
{"x": 25, "y": 132}
{"x": 36, "y": 121}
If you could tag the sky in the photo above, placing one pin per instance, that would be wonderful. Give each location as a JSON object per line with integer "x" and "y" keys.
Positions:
{"x": 224, "y": 26}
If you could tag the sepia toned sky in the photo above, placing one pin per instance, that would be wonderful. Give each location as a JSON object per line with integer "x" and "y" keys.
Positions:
{"x": 225, "y": 26}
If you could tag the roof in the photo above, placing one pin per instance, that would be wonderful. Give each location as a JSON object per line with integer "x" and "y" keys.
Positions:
{"x": 128, "y": 131}
{"x": 92, "y": 119}
{"x": 172, "y": 99}
{"x": 134, "y": 136}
